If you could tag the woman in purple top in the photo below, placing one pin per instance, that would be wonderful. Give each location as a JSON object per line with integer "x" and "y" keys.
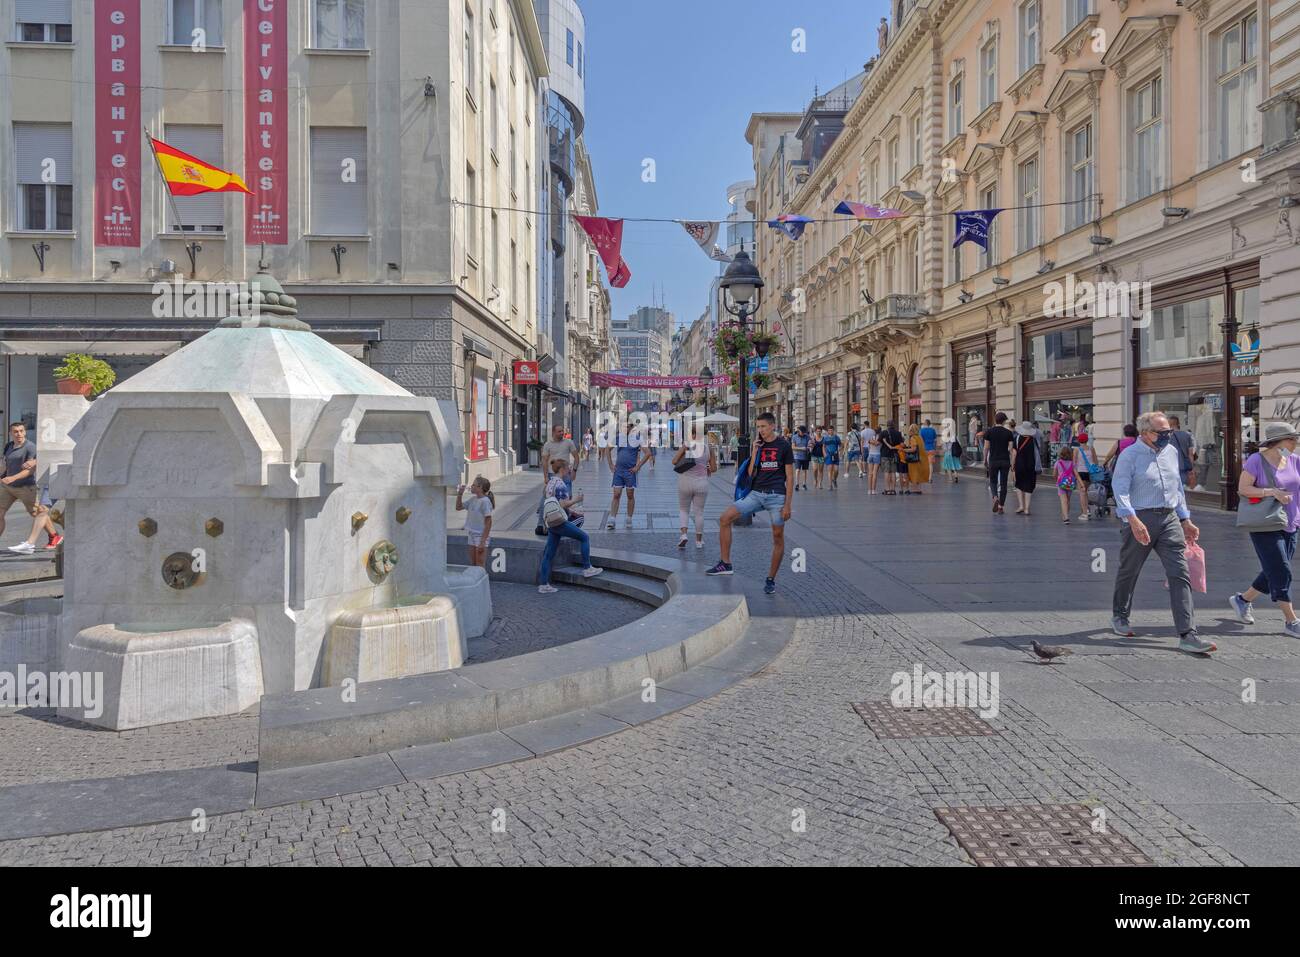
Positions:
{"x": 1130, "y": 436}
{"x": 1272, "y": 472}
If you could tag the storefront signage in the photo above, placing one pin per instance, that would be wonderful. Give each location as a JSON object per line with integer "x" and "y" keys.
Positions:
{"x": 266, "y": 120}
{"x": 117, "y": 124}
{"x": 478, "y": 425}
{"x": 526, "y": 373}
{"x": 914, "y": 403}
{"x": 1246, "y": 353}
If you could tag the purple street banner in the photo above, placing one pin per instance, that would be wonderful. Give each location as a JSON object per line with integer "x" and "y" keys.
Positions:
{"x": 617, "y": 380}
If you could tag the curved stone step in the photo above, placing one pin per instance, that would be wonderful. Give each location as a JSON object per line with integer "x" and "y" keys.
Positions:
{"x": 696, "y": 619}
{"x": 652, "y": 591}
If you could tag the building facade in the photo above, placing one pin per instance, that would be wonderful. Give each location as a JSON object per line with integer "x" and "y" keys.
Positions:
{"x": 1143, "y": 158}
{"x": 382, "y": 199}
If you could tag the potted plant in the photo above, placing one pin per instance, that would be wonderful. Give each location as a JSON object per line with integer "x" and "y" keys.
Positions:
{"x": 83, "y": 375}
{"x": 534, "y": 452}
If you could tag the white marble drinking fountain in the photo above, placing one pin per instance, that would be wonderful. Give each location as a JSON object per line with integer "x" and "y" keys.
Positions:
{"x": 259, "y": 512}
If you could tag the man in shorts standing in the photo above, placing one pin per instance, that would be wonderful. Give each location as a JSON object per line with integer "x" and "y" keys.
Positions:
{"x": 871, "y": 449}
{"x": 930, "y": 438}
{"x": 19, "y": 481}
{"x": 800, "y": 444}
{"x": 831, "y": 447}
{"x": 771, "y": 472}
{"x": 631, "y": 454}
{"x": 853, "y": 444}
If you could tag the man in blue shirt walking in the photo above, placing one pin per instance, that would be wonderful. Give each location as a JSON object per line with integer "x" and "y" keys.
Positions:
{"x": 1148, "y": 488}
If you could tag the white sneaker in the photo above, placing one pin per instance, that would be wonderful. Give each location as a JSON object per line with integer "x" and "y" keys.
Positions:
{"x": 609, "y": 525}
{"x": 627, "y": 525}
{"x": 1241, "y": 608}
{"x": 23, "y": 548}
{"x": 1083, "y": 517}
{"x": 546, "y": 589}
{"x": 592, "y": 572}
{"x": 699, "y": 544}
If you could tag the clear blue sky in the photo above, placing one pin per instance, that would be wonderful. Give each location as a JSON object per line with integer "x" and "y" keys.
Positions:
{"x": 676, "y": 81}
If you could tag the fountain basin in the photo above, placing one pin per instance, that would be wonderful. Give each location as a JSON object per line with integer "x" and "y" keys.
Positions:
{"x": 157, "y": 674}
{"x": 415, "y": 635}
{"x": 469, "y": 587}
{"x": 29, "y": 632}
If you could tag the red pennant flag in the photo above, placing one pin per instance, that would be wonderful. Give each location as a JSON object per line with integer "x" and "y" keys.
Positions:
{"x": 607, "y": 234}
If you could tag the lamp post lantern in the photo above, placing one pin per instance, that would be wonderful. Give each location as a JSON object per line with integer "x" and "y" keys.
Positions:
{"x": 742, "y": 288}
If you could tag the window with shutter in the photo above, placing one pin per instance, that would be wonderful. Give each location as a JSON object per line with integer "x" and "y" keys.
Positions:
{"x": 206, "y": 211}
{"x": 43, "y": 175}
{"x": 338, "y": 181}
{"x": 43, "y": 21}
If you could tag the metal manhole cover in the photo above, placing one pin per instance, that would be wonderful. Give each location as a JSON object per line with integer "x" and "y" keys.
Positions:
{"x": 1038, "y": 835}
{"x": 888, "y": 721}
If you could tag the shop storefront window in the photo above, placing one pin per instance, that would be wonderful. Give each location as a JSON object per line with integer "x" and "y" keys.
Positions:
{"x": 971, "y": 371}
{"x": 1062, "y": 354}
{"x": 1046, "y": 414}
{"x": 1201, "y": 414}
{"x": 970, "y": 426}
{"x": 1186, "y": 332}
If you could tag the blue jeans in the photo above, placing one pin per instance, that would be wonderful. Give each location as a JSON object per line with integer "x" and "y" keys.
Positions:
{"x": 1275, "y": 551}
{"x": 567, "y": 530}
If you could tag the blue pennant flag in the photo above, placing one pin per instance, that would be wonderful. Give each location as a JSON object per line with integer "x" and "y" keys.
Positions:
{"x": 973, "y": 226}
{"x": 792, "y": 226}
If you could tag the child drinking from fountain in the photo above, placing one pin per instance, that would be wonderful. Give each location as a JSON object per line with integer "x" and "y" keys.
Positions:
{"x": 478, "y": 518}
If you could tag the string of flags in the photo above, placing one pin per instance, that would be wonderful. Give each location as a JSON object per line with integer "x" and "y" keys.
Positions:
{"x": 971, "y": 226}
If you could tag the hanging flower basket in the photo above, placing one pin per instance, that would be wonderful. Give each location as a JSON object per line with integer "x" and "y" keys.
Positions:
{"x": 732, "y": 342}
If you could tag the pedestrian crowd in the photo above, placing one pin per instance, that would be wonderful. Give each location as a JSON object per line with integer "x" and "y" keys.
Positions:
{"x": 1143, "y": 480}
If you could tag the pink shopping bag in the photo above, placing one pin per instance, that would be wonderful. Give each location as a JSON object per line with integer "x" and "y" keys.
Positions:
{"x": 1196, "y": 566}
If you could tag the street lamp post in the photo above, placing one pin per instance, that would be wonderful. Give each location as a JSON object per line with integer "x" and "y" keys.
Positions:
{"x": 707, "y": 375}
{"x": 790, "y": 395}
{"x": 742, "y": 288}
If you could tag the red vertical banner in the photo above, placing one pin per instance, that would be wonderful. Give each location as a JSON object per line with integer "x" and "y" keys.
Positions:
{"x": 118, "y": 126}
{"x": 266, "y": 120}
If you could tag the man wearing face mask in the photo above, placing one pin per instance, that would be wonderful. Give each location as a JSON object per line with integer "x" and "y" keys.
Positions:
{"x": 1148, "y": 488}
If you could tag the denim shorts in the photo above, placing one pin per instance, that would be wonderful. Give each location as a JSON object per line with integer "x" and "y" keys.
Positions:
{"x": 855, "y": 456}
{"x": 624, "y": 478}
{"x": 760, "y": 501}
{"x": 873, "y": 458}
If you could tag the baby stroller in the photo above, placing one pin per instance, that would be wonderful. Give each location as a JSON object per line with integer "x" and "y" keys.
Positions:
{"x": 1100, "y": 492}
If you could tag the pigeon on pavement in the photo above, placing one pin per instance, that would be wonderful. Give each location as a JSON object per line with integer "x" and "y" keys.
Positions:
{"x": 1048, "y": 652}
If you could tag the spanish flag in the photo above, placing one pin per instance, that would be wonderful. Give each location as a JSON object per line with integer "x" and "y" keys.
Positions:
{"x": 187, "y": 175}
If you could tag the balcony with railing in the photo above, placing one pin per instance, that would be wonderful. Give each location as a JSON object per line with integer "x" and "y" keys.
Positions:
{"x": 888, "y": 321}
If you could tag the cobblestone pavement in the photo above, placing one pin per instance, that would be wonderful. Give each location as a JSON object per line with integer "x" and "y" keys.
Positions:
{"x": 37, "y": 746}
{"x": 1161, "y": 742}
{"x": 524, "y": 621}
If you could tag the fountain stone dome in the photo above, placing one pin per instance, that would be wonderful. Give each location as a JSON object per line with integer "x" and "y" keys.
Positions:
{"x": 306, "y": 487}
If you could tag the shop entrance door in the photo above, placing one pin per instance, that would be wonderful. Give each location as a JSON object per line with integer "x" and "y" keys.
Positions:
{"x": 1242, "y": 440}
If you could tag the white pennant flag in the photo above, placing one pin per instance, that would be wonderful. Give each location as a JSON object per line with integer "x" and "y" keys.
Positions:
{"x": 705, "y": 233}
{"x": 719, "y": 256}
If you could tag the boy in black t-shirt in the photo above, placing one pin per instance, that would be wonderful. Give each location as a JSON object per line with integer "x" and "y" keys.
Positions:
{"x": 771, "y": 472}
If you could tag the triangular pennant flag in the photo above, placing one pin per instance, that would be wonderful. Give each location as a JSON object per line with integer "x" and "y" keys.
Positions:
{"x": 607, "y": 236}
{"x": 866, "y": 210}
{"x": 704, "y": 232}
{"x": 973, "y": 226}
{"x": 719, "y": 256}
{"x": 793, "y": 226}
